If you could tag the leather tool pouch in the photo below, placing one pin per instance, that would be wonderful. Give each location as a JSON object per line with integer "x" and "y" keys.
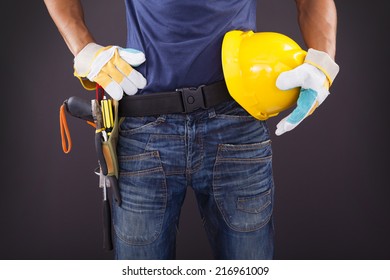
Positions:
{"x": 109, "y": 146}
{"x": 81, "y": 108}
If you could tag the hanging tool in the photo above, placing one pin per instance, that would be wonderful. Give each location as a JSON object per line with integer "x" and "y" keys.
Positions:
{"x": 106, "y": 211}
{"x": 99, "y": 134}
{"x": 109, "y": 146}
{"x": 101, "y": 113}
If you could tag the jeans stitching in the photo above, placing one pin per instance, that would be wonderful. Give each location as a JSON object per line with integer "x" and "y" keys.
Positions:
{"x": 158, "y": 121}
{"x": 219, "y": 203}
{"x": 246, "y": 160}
{"x": 243, "y": 147}
{"x": 141, "y": 172}
{"x": 160, "y": 217}
{"x": 241, "y": 200}
{"x": 166, "y": 136}
{"x": 200, "y": 141}
{"x": 154, "y": 154}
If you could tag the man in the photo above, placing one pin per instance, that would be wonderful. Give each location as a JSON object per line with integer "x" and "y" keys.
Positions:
{"x": 216, "y": 147}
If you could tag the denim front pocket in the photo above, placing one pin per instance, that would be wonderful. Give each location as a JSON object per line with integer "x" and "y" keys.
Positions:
{"x": 133, "y": 125}
{"x": 139, "y": 219}
{"x": 243, "y": 185}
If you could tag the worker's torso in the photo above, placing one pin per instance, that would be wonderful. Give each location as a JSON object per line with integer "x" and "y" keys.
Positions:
{"x": 182, "y": 39}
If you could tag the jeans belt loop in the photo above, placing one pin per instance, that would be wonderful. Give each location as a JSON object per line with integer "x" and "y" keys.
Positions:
{"x": 192, "y": 98}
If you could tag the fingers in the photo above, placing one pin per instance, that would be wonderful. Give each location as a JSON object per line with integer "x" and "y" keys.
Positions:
{"x": 132, "y": 56}
{"x": 306, "y": 104}
{"x": 314, "y": 90}
{"x": 306, "y": 100}
{"x": 125, "y": 75}
{"x": 132, "y": 75}
{"x": 283, "y": 126}
{"x": 111, "y": 67}
{"x": 114, "y": 82}
{"x": 110, "y": 86}
{"x": 117, "y": 75}
{"x": 137, "y": 79}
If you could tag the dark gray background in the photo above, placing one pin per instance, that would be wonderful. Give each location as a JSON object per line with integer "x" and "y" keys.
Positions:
{"x": 331, "y": 173}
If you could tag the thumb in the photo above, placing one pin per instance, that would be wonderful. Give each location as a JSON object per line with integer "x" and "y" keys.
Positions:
{"x": 290, "y": 79}
{"x": 284, "y": 126}
{"x": 306, "y": 104}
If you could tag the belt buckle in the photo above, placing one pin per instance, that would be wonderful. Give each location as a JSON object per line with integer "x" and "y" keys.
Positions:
{"x": 193, "y": 98}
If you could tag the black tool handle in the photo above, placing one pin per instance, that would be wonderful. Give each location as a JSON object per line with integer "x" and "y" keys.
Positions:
{"x": 79, "y": 108}
{"x": 107, "y": 235}
{"x": 115, "y": 189}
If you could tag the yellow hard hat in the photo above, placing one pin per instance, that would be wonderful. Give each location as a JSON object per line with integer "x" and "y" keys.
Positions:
{"x": 252, "y": 62}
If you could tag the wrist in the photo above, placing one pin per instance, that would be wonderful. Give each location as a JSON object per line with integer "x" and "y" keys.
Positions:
{"x": 79, "y": 45}
{"x": 76, "y": 36}
{"x": 324, "y": 62}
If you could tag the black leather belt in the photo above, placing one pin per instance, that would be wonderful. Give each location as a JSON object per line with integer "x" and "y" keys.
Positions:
{"x": 183, "y": 100}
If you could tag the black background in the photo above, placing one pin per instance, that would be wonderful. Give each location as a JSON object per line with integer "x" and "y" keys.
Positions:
{"x": 331, "y": 173}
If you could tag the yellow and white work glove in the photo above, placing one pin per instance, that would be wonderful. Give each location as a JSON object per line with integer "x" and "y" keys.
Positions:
{"x": 314, "y": 77}
{"x": 111, "y": 67}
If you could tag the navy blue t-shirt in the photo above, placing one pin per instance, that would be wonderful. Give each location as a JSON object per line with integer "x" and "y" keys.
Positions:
{"x": 182, "y": 39}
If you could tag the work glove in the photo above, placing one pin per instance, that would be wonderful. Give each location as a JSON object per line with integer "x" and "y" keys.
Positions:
{"x": 314, "y": 77}
{"x": 111, "y": 67}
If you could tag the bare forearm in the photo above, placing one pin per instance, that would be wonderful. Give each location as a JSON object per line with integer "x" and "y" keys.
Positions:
{"x": 318, "y": 23}
{"x": 68, "y": 16}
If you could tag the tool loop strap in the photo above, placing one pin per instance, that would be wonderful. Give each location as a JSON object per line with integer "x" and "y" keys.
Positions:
{"x": 65, "y": 134}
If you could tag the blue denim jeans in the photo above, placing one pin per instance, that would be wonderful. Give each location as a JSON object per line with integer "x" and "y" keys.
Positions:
{"x": 224, "y": 154}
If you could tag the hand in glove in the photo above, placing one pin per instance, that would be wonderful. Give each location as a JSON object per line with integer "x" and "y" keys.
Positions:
{"x": 110, "y": 67}
{"x": 314, "y": 77}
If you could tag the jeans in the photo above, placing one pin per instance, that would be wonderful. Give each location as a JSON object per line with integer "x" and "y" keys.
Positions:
{"x": 224, "y": 154}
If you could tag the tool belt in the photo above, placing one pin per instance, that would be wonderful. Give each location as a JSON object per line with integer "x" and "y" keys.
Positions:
{"x": 102, "y": 114}
{"x": 183, "y": 100}
{"x": 95, "y": 112}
